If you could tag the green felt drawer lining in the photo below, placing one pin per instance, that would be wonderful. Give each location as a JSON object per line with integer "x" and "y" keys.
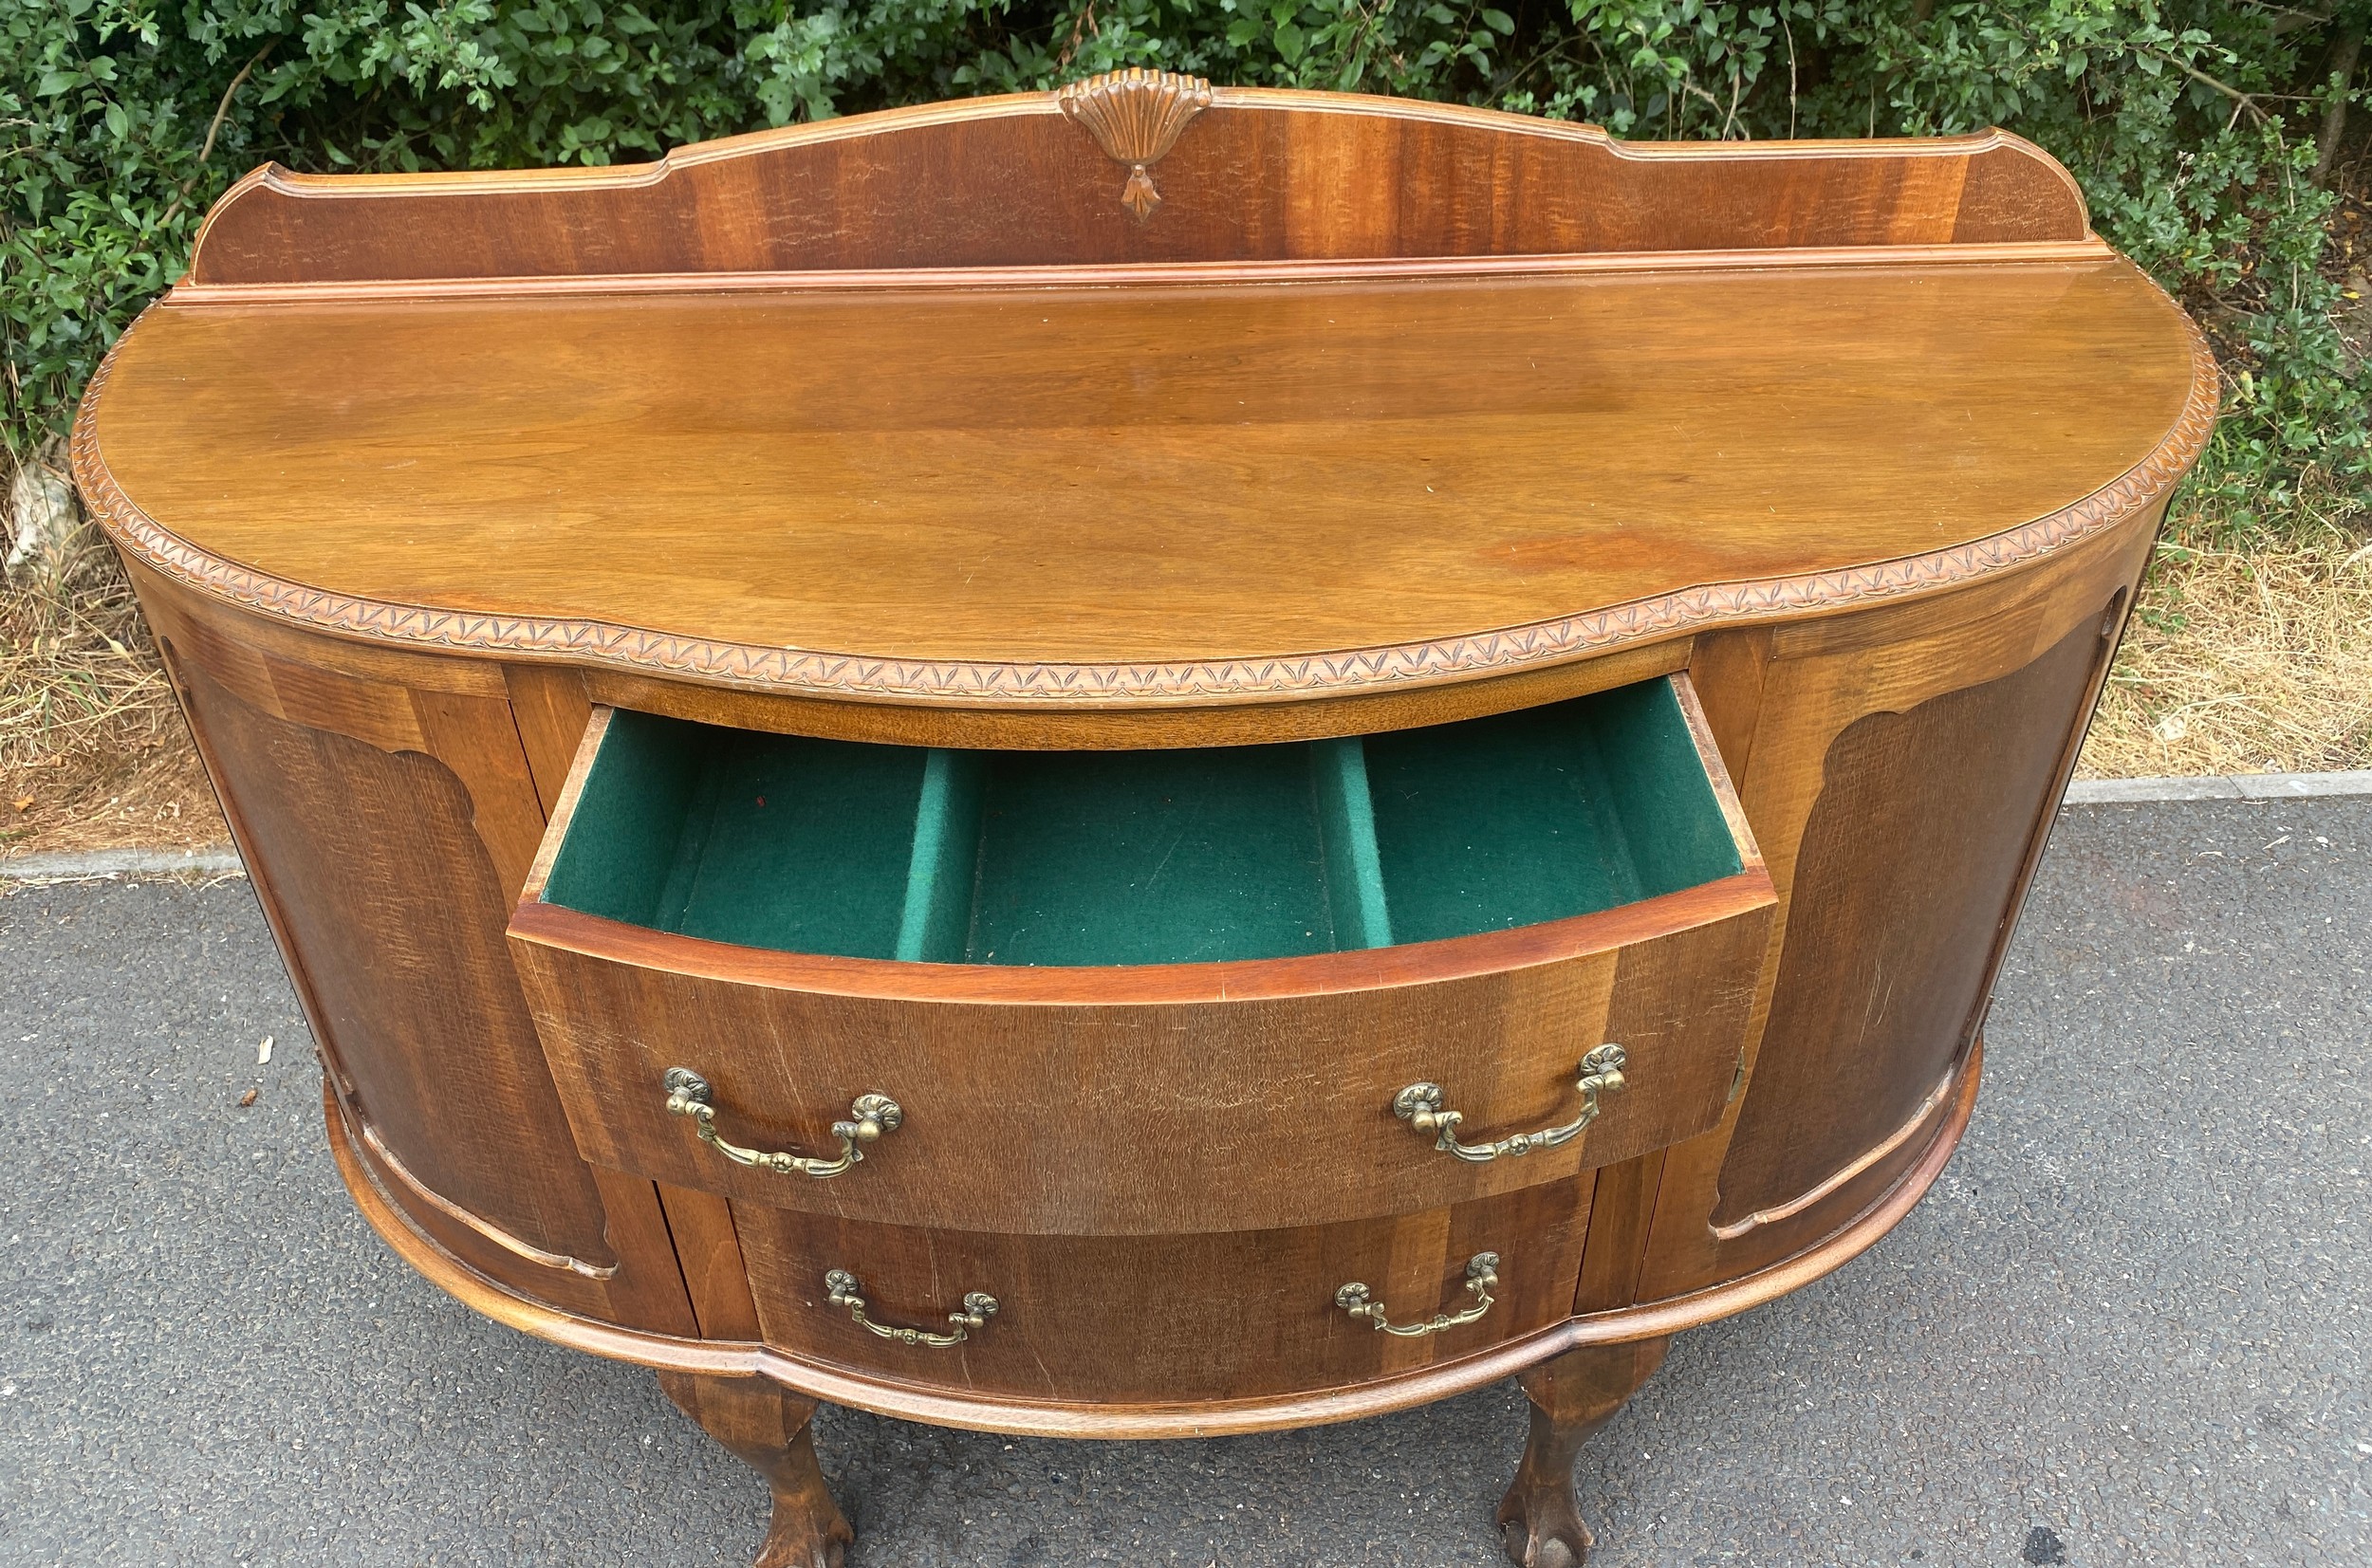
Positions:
{"x": 1053, "y": 858}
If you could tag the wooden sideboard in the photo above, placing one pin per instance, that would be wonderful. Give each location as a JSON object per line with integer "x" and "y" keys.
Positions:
{"x": 1147, "y": 761}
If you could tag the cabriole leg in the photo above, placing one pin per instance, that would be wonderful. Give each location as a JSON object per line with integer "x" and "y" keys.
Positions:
{"x": 766, "y": 1424}
{"x": 1572, "y": 1396}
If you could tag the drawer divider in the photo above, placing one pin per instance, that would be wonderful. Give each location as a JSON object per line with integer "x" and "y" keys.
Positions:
{"x": 1354, "y": 865}
{"x": 690, "y": 860}
{"x": 935, "y": 925}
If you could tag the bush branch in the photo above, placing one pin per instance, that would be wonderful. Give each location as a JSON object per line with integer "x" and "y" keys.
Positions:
{"x": 214, "y": 129}
{"x": 2344, "y": 58}
{"x": 2246, "y": 100}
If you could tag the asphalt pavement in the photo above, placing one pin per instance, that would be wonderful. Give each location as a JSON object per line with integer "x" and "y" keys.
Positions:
{"x": 2129, "y": 1324}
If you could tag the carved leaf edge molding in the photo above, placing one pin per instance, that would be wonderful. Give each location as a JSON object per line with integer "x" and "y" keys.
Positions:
{"x": 1135, "y": 116}
{"x": 991, "y": 683}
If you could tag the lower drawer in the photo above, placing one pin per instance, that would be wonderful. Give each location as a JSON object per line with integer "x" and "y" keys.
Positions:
{"x": 1226, "y": 1315}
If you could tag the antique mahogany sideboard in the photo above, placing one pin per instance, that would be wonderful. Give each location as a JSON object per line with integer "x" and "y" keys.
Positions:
{"x": 1149, "y": 760}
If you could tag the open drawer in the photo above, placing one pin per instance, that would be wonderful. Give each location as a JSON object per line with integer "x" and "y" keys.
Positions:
{"x": 1143, "y": 992}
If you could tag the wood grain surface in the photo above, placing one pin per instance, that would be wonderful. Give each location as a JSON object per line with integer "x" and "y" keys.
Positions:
{"x": 1256, "y": 175}
{"x": 982, "y": 1412}
{"x": 1864, "y": 913}
{"x": 1130, "y": 495}
{"x": 333, "y": 819}
{"x": 1120, "y": 1318}
{"x": 1138, "y": 1119}
{"x": 338, "y": 788}
{"x": 1834, "y": 1051}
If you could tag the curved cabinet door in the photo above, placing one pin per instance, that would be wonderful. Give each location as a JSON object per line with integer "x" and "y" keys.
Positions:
{"x": 383, "y": 826}
{"x": 1234, "y": 1093}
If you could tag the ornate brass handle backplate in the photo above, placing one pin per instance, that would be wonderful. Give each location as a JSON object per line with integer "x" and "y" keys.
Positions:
{"x": 978, "y": 1308}
{"x": 689, "y": 1094}
{"x": 1482, "y": 1278}
{"x": 1419, "y": 1105}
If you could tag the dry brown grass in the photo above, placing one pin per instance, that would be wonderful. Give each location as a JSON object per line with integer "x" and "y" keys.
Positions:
{"x": 93, "y": 752}
{"x": 2237, "y": 661}
{"x": 2243, "y": 662}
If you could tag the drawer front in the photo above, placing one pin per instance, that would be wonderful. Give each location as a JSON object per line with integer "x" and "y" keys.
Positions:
{"x": 1164, "y": 1319}
{"x": 1114, "y": 994}
{"x": 1219, "y": 1113}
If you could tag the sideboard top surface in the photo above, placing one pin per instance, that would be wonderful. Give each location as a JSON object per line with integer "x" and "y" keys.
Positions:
{"x": 1131, "y": 484}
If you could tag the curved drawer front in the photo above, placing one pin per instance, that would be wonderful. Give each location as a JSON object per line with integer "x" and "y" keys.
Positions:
{"x": 1067, "y": 1097}
{"x": 1168, "y": 1319}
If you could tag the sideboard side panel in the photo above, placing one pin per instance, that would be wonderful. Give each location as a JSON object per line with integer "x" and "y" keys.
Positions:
{"x": 372, "y": 856}
{"x": 1808, "y": 1143}
{"x": 380, "y": 824}
{"x": 1906, "y": 870}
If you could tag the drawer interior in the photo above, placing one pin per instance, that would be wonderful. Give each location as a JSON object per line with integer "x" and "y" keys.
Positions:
{"x": 1079, "y": 857}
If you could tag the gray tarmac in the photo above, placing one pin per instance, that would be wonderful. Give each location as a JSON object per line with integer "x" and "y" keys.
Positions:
{"x": 2129, "y": 1325}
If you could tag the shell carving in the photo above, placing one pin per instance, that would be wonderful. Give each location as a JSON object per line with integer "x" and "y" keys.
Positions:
{"x": 1135, "y": 116}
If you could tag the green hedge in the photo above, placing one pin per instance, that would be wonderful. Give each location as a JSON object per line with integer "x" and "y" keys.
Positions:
{"x": 2194, "y": 126}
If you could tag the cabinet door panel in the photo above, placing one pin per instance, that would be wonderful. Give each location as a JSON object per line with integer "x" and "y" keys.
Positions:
{"x": 1915, "y": 847}
{"x": 388, "y": 902}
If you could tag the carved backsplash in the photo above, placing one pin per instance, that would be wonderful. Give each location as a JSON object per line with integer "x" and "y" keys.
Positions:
{"x": 1135, "y": 116}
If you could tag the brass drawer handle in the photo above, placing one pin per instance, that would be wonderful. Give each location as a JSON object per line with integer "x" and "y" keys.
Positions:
{"x": 1419, "y": 1105}
{"x": 1482, "y": 1278}
{"x": 689, "y": 1094}
{"x": 978, "y": 1308}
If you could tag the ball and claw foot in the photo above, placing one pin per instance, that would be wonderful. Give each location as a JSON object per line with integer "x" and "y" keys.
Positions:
{"x": 765, "y": 1427}
{"x": 1541, "y": 1515}
{"x": 1572, "y": 1397}
{"x": 801, "y": 1536}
